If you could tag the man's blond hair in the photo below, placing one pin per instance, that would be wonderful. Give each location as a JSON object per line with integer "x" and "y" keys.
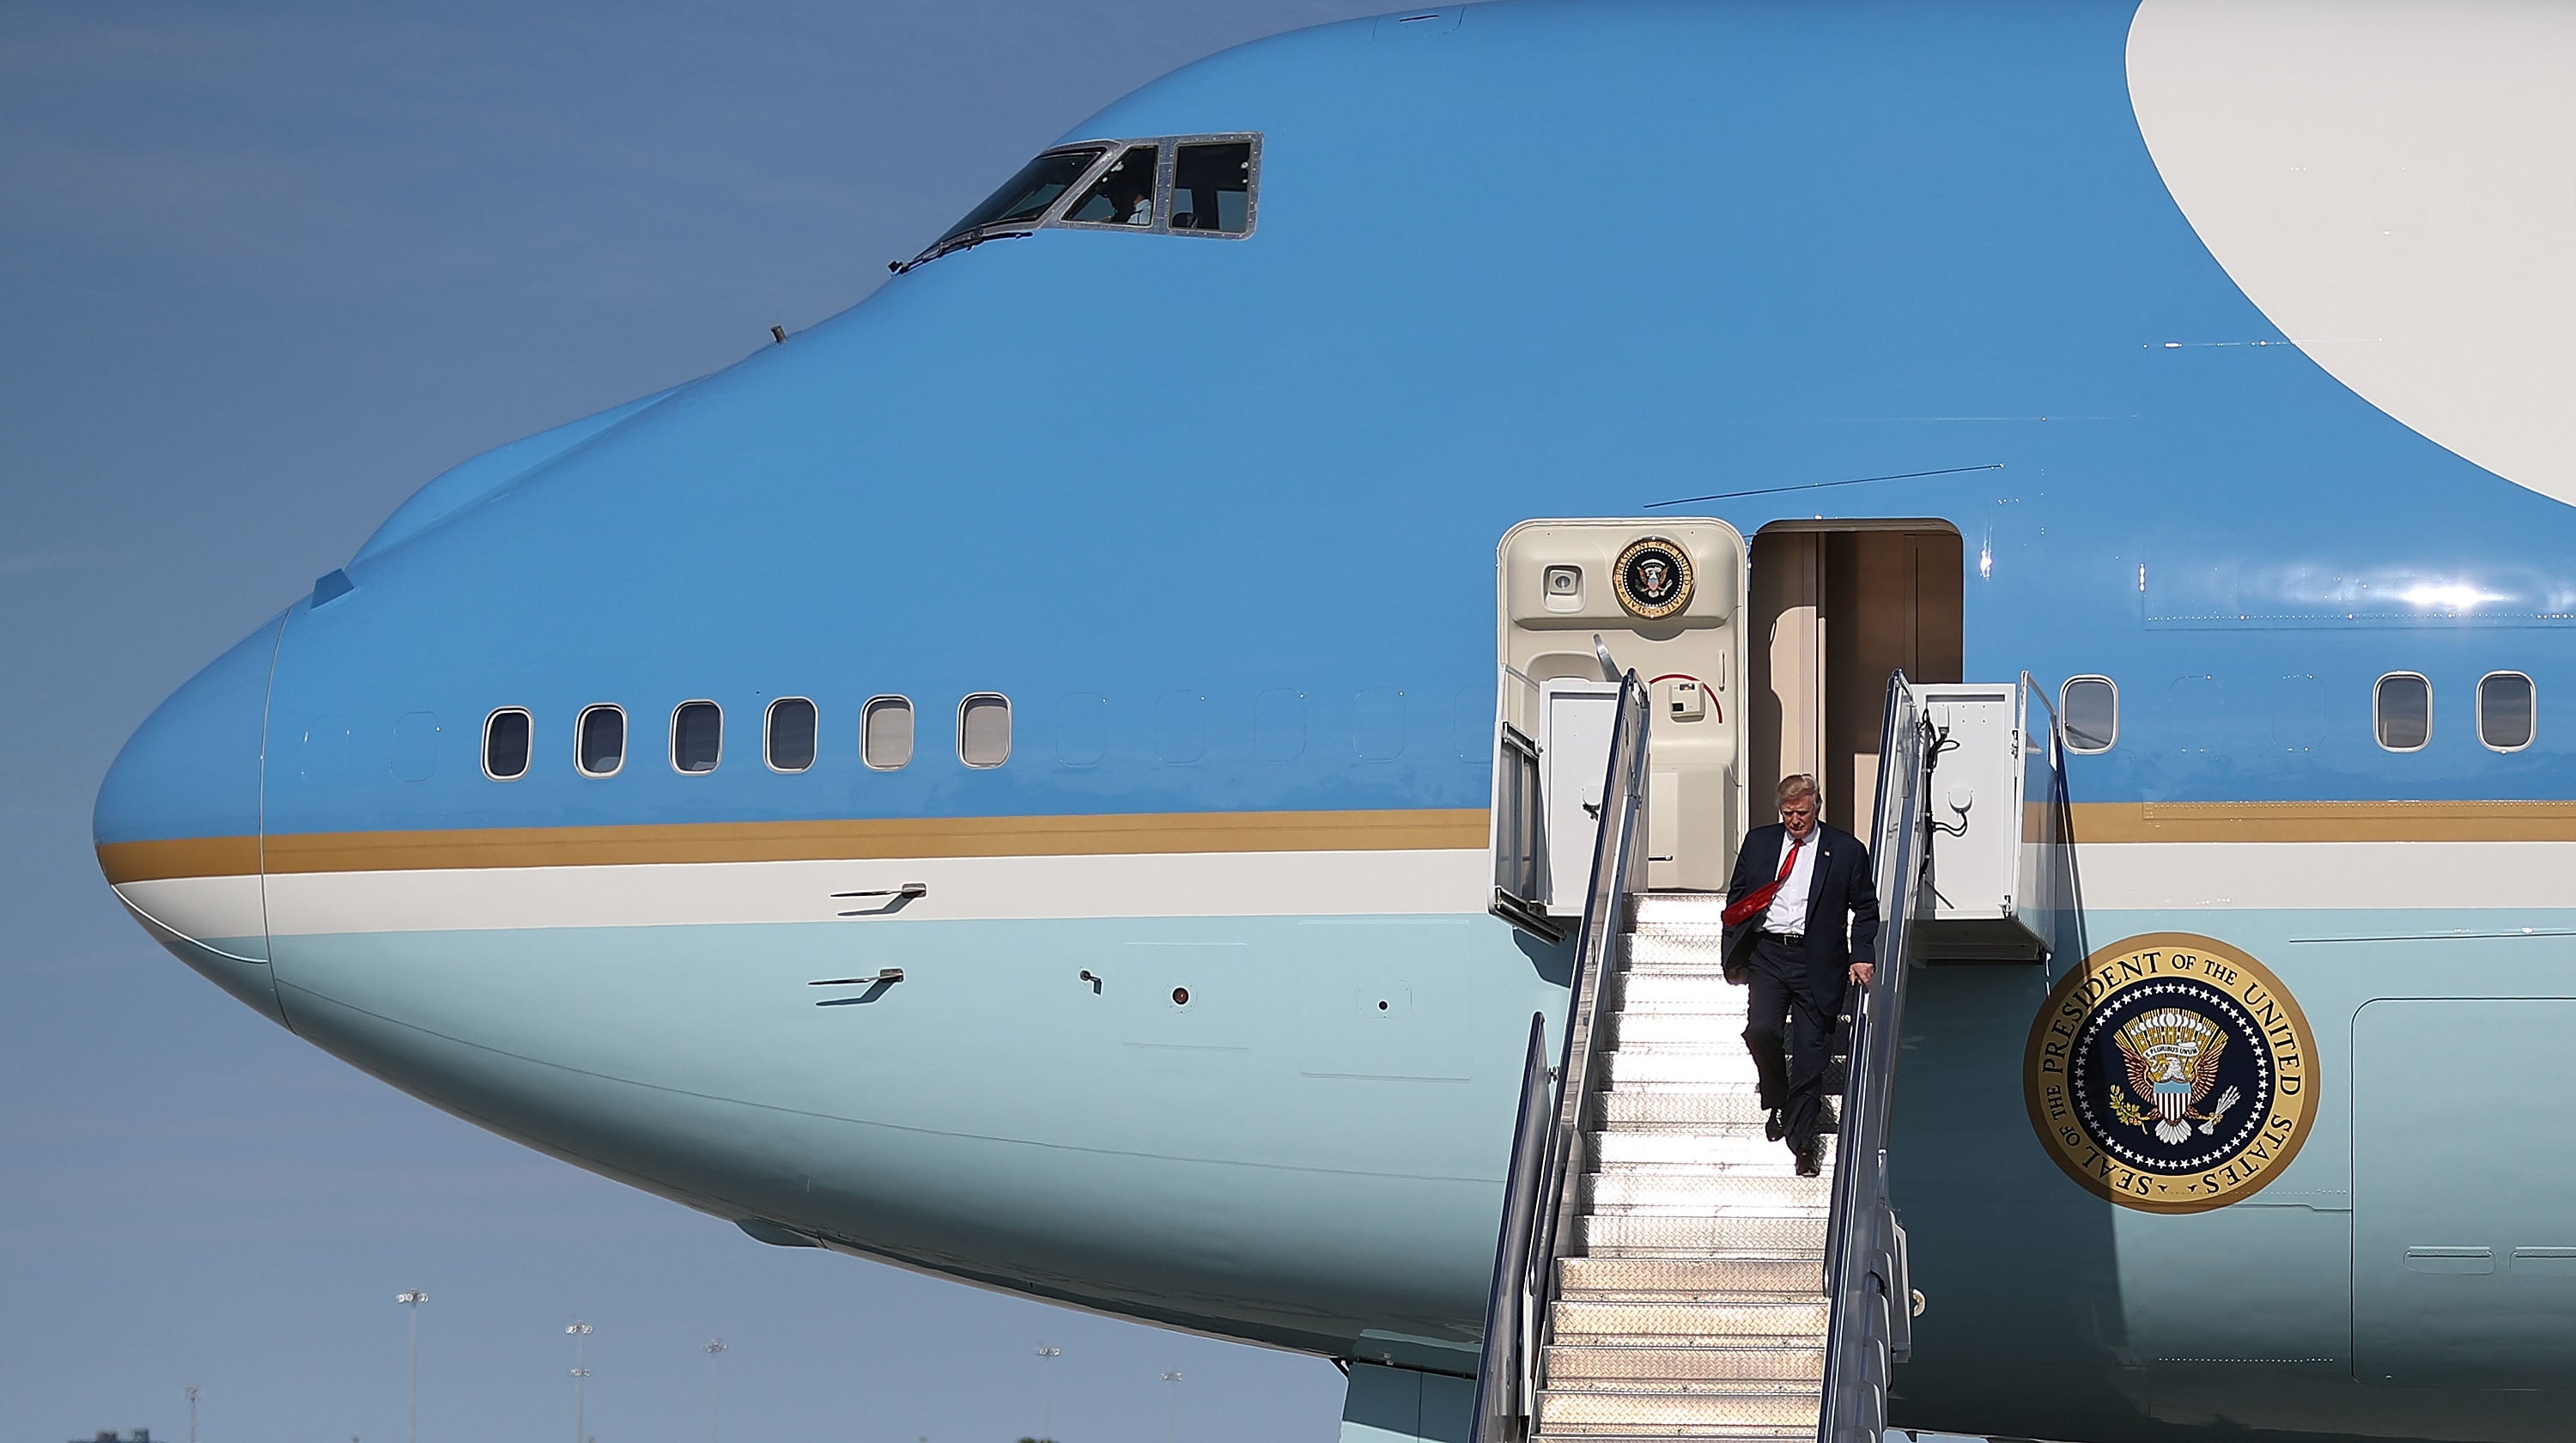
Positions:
{"x": 1796, "y": 785}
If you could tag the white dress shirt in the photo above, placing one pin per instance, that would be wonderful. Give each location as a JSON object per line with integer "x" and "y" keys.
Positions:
{"x": 1787, "y": 914}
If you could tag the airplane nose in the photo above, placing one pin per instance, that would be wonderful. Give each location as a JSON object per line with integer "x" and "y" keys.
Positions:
{"x": 177, "y": 823}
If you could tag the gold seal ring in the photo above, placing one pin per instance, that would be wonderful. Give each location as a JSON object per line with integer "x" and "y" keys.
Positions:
{"x": 1653, "y": 578}
{"x": 2171, "y": 1073}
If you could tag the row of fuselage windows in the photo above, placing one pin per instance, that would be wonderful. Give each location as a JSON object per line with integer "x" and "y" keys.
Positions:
{"x": 790, "y": 736}
{"x": 2401, "y": 720}
{"x": 2401, "y": 712}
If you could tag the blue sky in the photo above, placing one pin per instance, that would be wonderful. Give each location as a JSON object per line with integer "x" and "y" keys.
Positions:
{"x": 265, "y": 269}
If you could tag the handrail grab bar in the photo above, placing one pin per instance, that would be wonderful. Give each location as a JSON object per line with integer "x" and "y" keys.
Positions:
{"x": 1525, "y": 1281}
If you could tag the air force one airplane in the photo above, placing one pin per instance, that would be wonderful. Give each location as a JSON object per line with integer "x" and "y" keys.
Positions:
{"x": 1079, "y": 773}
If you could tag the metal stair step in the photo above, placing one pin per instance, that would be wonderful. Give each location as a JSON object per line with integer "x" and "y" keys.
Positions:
{"x": 1714, "y": 1434}
{"x": 1696, "y": 1322}
{"x": 1665, "y": 906}
{"x": 1677, "y": 1064}
{"x": 1639, "y": 1411}
{"x": 1758, "y": 1159}
{"x": 1580, "y": 1365}
{"x": 1674, "y": 1147}
{"x": 1694, "y": 1022}
{"x": 1697, "y": 1145}
{"x": 1677, "y": 991}
{"x": 1693, "y": 950}
{"x": 1658, "y": 1104}
{"x": 1705, "y": 1387}
{"x": 1638, "y": 1156}
{"x": 1702, "y": 1193}
{"x": 1663, "y": 961}
{"x": 1703, "y": 1029}
{"x": 1682, "y": 1235}
{"x": 1596, "y": 1279}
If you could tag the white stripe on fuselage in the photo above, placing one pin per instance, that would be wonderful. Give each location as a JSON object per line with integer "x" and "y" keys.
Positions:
{"x": 2138, "y": 876}
{"x": 2110, "y": 876}
{"x": 1204, "y": 884}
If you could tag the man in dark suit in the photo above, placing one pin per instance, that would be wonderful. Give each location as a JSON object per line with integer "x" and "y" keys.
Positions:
{"x": 1801, "y": 924}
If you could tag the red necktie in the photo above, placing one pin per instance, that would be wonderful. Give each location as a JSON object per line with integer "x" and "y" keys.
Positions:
{"x": 1760, "y": 897}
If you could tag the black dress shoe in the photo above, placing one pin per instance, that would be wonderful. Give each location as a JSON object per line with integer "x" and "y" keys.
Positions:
{"x": 1811, "y": 1158}
{"x": 1776, "y": 1126}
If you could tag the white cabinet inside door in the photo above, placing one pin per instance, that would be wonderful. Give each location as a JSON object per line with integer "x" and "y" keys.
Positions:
{"x": 1574, "y": 761}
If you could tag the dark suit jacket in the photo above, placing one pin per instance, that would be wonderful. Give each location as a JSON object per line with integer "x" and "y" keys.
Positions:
{"x": 1842, "y": 889}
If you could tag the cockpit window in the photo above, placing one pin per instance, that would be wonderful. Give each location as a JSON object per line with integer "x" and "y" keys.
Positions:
{"x": 1028, "y": 194}
{"x": 1212, "y": 187}
{"x": 1200, "y": 185}
{"x": 1124, "y": 194}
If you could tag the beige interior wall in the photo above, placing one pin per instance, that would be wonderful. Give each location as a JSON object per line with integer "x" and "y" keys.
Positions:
{"x": 1786, "y": 645}
{"x": 1833, "y": 611}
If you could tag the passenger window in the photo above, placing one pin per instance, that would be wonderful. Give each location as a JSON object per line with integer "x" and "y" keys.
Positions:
{"x": 505, "y": 744}
{"x": 789, "y": 745}
{"x": 1279, "y": 724}
{"x": 2505, "y": 710}
{"x": 697, "y": 737}
{"x": 1029, "y": 193}
{"x": 984, "y": 730}
{"x": 1212, "y": 187}
{"x": 600, "y": 744}
{"x": 2401, "y": 711}
{"x": 885, "y": 732}
{"x": 1124, "y": 194}
{"x": 1180, "y": 724}
{"x": 2089, "y": 709}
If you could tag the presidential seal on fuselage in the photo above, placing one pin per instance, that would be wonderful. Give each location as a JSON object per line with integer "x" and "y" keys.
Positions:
{"x": 2171, "y": 1073}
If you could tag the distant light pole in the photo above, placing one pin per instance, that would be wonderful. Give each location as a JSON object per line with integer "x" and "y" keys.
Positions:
{"x": 1171, "y": 1407}
{"x": 714, "y": 1349}
{"x": 580, "y": 1332}
{"x": 412, "y": 1298}
{"x": 192, "y": 1413}
{"x": 1047, "y": 1354}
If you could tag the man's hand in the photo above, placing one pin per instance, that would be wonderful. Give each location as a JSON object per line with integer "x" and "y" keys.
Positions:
{"x": 1860, "y": 974}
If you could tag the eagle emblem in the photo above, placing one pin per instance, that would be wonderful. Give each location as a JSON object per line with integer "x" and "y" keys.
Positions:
{"x": 2172, "y": 1055}
{"x": 2171, "y": 1073}
{"x": 1652, "y": 578}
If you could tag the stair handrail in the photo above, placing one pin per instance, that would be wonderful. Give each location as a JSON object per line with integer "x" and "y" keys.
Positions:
{"x": 1547, "y": 1144}
{"x": 1865, "y": 1281}
{"x": 1498, "y": 1395}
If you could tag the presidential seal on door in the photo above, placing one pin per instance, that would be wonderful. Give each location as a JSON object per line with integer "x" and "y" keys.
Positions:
{"x": 1652, "y": 578}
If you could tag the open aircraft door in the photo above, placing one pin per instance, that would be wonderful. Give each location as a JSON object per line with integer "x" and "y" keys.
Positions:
{"x": 1581, "y": 602}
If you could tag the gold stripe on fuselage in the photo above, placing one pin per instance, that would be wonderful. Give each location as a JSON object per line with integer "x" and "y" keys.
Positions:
{"x": 2103, "y": 822}
{"x": 1165, "y": 832}
{"x": 1410, "y": 829}
{"x": 125, "y": 862}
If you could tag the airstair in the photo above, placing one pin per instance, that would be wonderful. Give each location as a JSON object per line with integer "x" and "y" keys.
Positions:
{"x": 1662, "y": 1272}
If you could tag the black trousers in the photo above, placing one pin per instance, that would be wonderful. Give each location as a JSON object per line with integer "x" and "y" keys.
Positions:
{"x": 1788, "y": 1030}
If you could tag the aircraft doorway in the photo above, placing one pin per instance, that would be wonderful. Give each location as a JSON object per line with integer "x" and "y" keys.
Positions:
{"x": 1833, "y": 607}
